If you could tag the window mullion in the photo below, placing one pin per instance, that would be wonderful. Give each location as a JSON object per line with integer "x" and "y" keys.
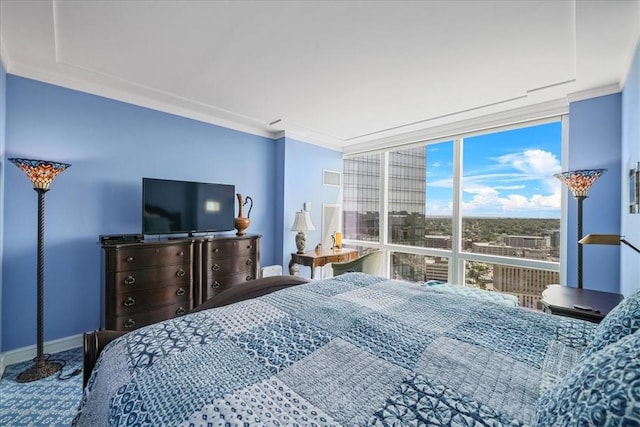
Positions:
{"x": 456, "y": 266}
{"x": 384, "y": 211}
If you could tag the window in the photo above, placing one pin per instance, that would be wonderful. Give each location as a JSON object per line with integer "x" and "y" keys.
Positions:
{"x": 481, "y": 209}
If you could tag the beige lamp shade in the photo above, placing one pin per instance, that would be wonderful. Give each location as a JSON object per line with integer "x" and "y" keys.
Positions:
{"x": 302, "y": 222}
{"x": 600, "y": 239}
{"x": 605, "y": 239}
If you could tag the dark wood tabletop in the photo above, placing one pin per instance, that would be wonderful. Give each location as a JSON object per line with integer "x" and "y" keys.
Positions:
{"x": 587, "y": 304}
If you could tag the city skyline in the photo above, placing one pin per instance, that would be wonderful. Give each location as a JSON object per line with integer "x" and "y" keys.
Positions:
{"x": 505, "y": 174}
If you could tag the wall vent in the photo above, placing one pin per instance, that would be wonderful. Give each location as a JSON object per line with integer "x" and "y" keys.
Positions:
{"x": 332, "y": 178}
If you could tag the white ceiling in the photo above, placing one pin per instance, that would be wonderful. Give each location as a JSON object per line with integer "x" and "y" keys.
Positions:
{"x": 338, "y": 73}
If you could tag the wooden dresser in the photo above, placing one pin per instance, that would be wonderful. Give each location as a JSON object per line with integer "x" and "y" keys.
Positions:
{"x": 228, "y": 262}
{"x": 146, "y": 282}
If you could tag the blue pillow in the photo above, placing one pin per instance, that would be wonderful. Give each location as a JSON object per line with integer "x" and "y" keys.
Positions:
{"x": 601, "y": 390}
{"x": 623, "y": 320}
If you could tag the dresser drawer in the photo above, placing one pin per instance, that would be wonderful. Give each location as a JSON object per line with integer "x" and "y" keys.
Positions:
{"x": 215, "y": 285}
{"x": 143, "y": 256}
{"x": 144, "y": 300}
{"x": 127, "y": 281}
{"x": 142, "y": 318}
{"x": 226, "y": 248}
{"x": 223, "y": 266}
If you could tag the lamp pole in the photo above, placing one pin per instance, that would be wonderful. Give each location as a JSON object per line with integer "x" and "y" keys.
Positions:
{"x": 580, "y": 199}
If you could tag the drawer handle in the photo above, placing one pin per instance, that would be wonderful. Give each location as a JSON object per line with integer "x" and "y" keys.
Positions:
{"x": 215, "y": 285}
{"x": 216, "y": 250}
{"x": 215, "y": 267}
{"x": 180, "y": 311}
{"x": 129, "y": 258}
{"x": 180, "y": 253}
{"x": 249, "y": 262}
{"x": 249, "y": 246}
{"x": 180, "y": 273}
{"x": 129, "y": 302}
{"x": 180, "y": 292}
{"x": 129, "y": 323}
{"x": 130, "y": 280}
{"x": 249, "y": 277}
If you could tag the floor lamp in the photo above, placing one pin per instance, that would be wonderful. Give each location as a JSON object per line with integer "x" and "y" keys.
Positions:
{"x": 579, "y": 183}
{"x": 41, "y": 173}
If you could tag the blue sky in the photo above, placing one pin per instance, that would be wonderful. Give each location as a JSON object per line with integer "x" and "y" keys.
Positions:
{"x": 505, "y": 174}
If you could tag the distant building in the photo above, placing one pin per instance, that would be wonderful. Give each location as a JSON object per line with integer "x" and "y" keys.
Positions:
{"x": 490, "y": 249}
{"x": 438, "y": 242}
{"x": 407, "y": 193}
{"x": 527, "y": 241}
{"x": 419, "y": 268}
{"x": 526, "y": 283}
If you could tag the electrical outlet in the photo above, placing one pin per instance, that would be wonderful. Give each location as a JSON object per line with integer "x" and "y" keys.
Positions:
{"x": 307, "y": 206}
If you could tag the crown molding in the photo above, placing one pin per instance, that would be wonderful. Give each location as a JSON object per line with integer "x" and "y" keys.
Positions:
{"x": 314, "y": 138}
{"x": 593, "y": 93}
{"x": 172, "y": 105}
{"x": 514, "y": 116}
{"x": 4, "y": 56}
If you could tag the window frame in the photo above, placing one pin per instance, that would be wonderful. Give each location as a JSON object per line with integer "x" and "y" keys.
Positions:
{"x": 457, "y": 257}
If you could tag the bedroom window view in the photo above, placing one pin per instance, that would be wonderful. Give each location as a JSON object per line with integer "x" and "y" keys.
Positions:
{"x": 508, "y": 202}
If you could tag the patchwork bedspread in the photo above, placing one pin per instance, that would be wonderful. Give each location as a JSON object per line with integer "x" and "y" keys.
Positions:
{"x": 354, "y": 350}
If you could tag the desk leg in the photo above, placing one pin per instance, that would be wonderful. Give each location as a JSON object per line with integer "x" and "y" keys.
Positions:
{"x": 291, "y": 264}
{"x": 313, "y": 269}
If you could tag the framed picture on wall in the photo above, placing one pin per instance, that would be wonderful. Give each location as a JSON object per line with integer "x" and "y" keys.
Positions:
{"x": 634, "y": 189}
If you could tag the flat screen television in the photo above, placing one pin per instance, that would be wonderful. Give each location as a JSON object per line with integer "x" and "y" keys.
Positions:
{"x": 171, "y": 207}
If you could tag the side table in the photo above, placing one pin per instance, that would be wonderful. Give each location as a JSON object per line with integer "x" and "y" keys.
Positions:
{"x": 315, "y": 259}
{"x": 586, "y": 304}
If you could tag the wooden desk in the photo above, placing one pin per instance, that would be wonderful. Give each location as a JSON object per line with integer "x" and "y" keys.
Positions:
{"x": 315, "y": 259}
{"x": 566, "y": 301}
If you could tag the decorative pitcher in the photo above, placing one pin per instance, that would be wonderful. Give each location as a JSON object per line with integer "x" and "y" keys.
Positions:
{"x": 242, "y": 222}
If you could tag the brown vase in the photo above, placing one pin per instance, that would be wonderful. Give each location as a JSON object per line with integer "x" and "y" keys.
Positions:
{"x": 242, "y": 222}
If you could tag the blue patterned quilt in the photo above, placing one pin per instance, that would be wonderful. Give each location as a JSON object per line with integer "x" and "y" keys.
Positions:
{"x": 354, "y": 350}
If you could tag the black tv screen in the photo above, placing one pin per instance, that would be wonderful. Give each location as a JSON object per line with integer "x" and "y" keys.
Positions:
{"x": 170, "y": 207}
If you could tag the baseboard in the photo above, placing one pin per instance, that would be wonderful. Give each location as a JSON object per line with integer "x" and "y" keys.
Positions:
{"x": 27, "y": 353}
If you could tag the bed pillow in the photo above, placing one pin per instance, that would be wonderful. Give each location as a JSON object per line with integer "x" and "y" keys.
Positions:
{"x": 601, "y": 390}
{"x": 481, "y": 294}
{"x": 623, "y": 320}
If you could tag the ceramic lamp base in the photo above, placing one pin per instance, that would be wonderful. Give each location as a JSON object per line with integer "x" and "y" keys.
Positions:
{"x": 301, "y": 242}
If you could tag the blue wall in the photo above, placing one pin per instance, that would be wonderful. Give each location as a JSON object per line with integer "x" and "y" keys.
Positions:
{"x": 111, "y": 146}
{"x": 595, "y": 143}
{"x": 302, "y": 180}
{"x": 630, "y": 260}
{"x": 3, "y": 109}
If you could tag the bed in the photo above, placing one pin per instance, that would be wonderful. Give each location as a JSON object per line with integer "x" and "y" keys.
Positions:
{"x": 363, "y": 350}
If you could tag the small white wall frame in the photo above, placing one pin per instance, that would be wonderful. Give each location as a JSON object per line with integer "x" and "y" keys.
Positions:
{"x": 331, "y": 222}
{"x": 331, "y": 178}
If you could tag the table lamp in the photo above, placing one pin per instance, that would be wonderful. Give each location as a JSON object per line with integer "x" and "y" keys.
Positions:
{"x": 302, "y": 223}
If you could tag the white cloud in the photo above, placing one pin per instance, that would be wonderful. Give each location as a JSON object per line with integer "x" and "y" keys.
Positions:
{"x": 524, "y": 188}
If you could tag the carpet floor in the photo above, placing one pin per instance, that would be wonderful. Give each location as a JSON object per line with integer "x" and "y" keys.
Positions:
{"x": 51, "y": 401}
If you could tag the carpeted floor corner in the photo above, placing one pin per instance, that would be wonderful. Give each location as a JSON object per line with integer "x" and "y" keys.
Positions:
{"x": 47, "y": 402}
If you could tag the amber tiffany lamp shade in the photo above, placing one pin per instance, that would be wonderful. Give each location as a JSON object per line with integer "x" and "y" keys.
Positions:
{"x": 41, "y": 173}
{"x": 579, "y": 182}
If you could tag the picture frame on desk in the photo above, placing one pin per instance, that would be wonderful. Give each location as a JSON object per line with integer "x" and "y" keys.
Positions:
{"x": 634, "y": 189}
